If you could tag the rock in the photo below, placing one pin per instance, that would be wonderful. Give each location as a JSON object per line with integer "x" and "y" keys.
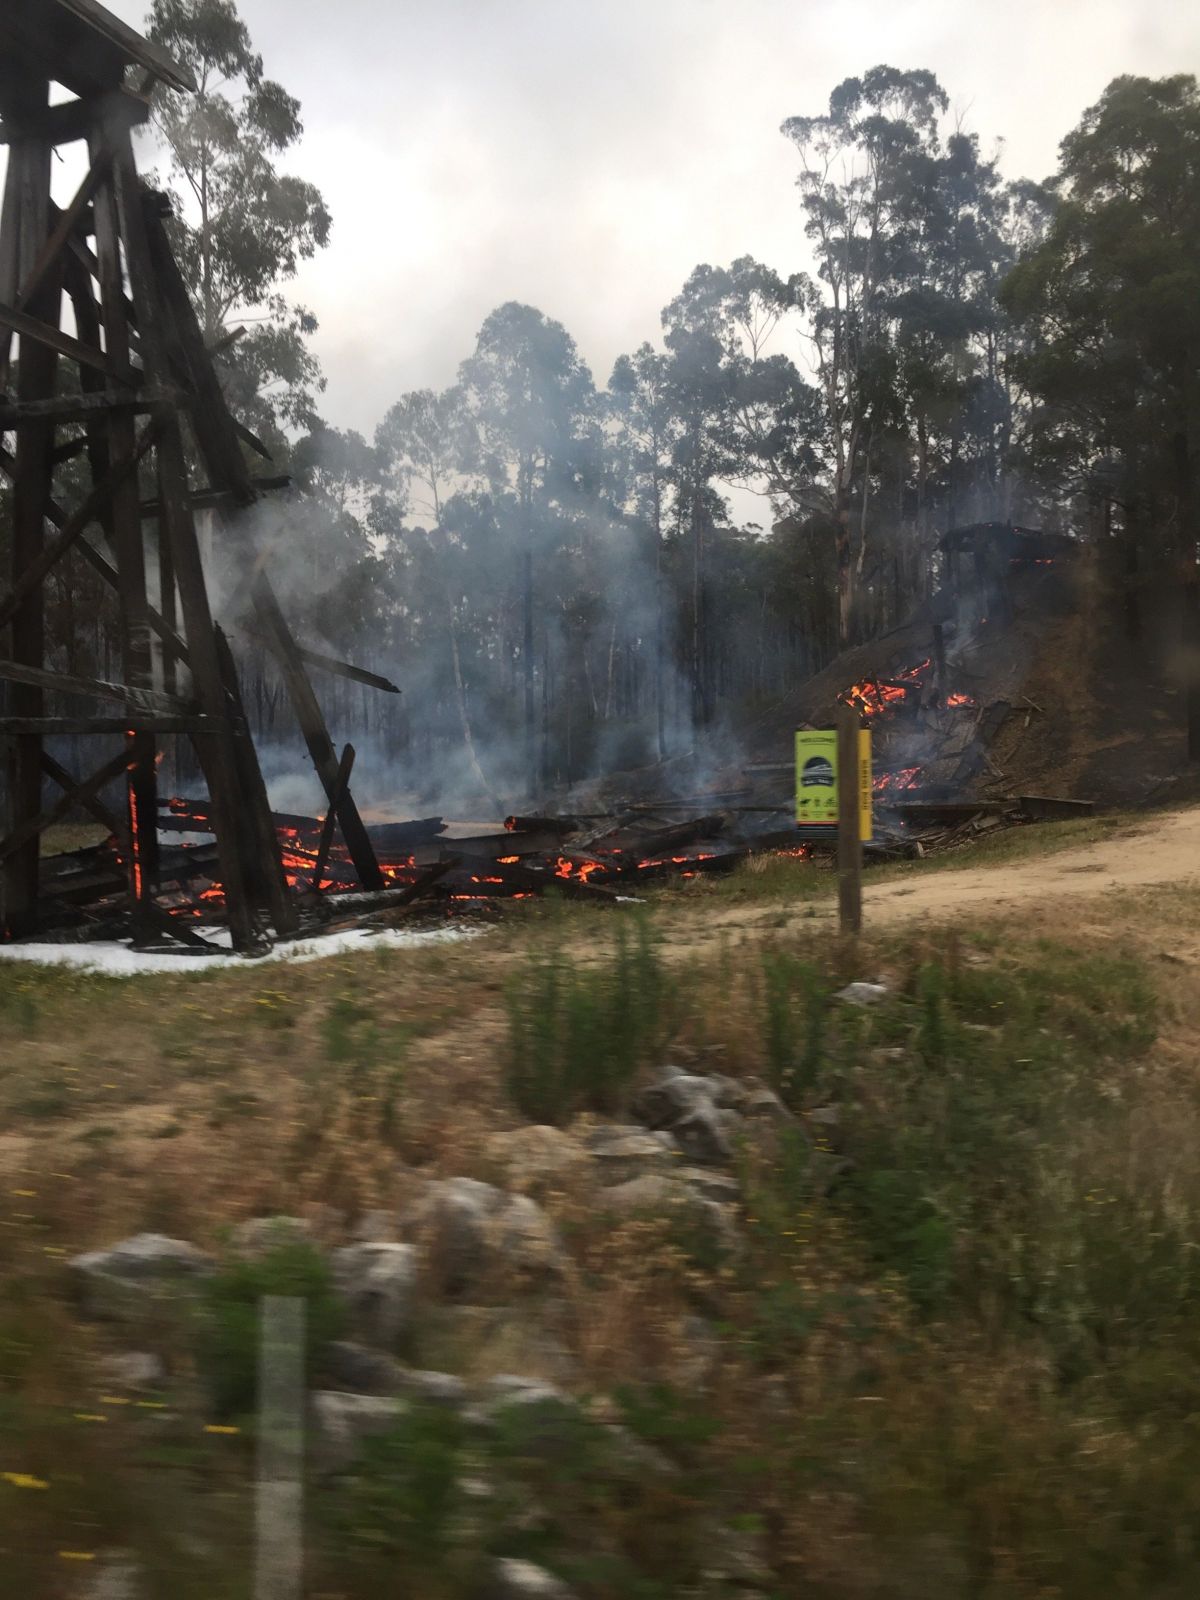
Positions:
{"x": 378, "y": 1283}
{"x": 115, "y": 1577}
{"x": 739, "y": 1556}
{"x": 707, "y": 1135}
{"x": 376, "y": 1227}
{"x": 719, "y": 1186}
{"x": 361, "y": 1369}
{"x": 533, "y": 1159}
{"x": 706, "y": 1224}
{"x": 342, "y": 1423}
{"x": 365, "y": 1371}
{"x": 632, "y": 1153}
{"x": 523, "y": 1580}
{"x": 862, "y": 994}
{"x": 536, "y": 1420}
{"x": 763, "y": 1102}
{"x": 728, "y": 1093}
{"x": 120, "y": 1282}
{"x": 825, "y": 1116}
{"x": 260, "y": 1235}
{"x": 133, "y": 1369}
{"x": 676, "y": 1095}
{"x": 699, "y": 1353}
{"x": 432, "y": 1388}
{"x": 479, "y": 1341}
{"x": 475, "y": 1236}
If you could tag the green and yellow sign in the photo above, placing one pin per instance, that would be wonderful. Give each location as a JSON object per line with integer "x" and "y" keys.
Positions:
{"x": 817, "y": 779}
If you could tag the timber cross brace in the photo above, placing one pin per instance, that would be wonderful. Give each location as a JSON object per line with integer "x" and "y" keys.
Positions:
{"x": 131, "y": 387}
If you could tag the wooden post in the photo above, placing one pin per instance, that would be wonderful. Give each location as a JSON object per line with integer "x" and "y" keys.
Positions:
{"x": 531, "y": 782}
{"x": 939, "y": 662}
{"x": 1191, "y": 658}
{"x": 849, "y": 841}
{"x": 345, "y": 767}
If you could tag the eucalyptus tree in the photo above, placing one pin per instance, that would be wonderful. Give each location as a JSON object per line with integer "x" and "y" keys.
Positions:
{"x": 1109, "y": 301}
{"x": 856, "y": 184}
{"x": 241, "y": 225}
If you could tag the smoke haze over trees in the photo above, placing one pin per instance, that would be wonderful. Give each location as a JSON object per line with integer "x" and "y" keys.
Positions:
{"x": 552, "y": 562}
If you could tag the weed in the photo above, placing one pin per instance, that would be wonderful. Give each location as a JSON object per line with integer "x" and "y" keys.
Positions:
{"x": 577, "y": 1035}
{"x": 227, "y": 1319}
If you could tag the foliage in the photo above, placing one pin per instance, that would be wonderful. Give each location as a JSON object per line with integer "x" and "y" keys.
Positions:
{"x": 227, "y": 1326}
{"x": 240, "y": 224}
{"x": 578, "y": 1034}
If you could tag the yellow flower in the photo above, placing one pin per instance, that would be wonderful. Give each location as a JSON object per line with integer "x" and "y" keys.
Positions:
{"x": 217, "y": 1427}
{"x": 77, "y": 1555}
{"x": 23, "y": 1480}
{"x": 89, "y": 1416}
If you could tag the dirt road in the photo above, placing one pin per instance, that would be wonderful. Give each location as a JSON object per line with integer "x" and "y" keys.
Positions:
{"x": 1164, "y": 849}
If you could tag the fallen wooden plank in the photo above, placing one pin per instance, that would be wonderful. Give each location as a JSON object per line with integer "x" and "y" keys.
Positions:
{"x": 1048, "y": 808}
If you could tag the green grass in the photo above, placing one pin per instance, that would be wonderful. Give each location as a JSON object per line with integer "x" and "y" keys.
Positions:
{"x": 577, "y": 1034}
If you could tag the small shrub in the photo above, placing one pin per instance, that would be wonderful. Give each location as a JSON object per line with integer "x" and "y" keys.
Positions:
{"x": 795, "y": 1007}
{"x": 404, "y": 1509}
{"x": 577, "y": 1036}
{"x": 227, "y": 1332}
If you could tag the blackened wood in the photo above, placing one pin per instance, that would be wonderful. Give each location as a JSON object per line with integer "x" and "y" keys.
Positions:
{"x": 345, "y": 767}
{"x": 217, "y": 438}
{"x": 850, "y": 855}
{"x": 91, "y": 803}
{"x": 388, "y": 899}
{"x": 1191, "y": 656}
{"x": 203, "y": 499}
{"x": 30, "y": 827}
{"x": 97, "y": 688}
{"x": 79, "y": 407}
{"x": 216, "y": 754}
{"x": 75, "y": 119}
{"x": 95, "y": 502}
{"x": 33, "y": 328}
{"x": 52, "y": 726}
{"x": 265, "y": 876}
{"x": 343, "y": 669}
{"x": 27, "y": 223}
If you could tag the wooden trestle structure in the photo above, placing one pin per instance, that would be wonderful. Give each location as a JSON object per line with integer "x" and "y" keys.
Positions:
{"x": 129, "y": 385}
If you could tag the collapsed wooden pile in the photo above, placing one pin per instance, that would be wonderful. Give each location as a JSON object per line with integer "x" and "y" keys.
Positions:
{"x": 425, "y": 865}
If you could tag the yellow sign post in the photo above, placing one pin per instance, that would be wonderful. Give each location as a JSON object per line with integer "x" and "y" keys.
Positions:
{"x": 817, "y": 779}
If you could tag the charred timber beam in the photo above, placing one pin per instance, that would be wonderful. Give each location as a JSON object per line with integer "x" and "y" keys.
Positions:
{"x": 204, "y": 499}
{"x": 96, "y": 688}
{"x": 91, "y": 508}
{"x": 48, "y": 727}
{"x": 217, "y": 436}
{"x": 91, "y": 803}
{"x": 83, "y": 407}
{"x": 78, "y": 794}
{"x": 55, "y": 339}
{"x": 56, "y": 515}
{"x": 341, "y": 669}
{"x": 345, "y": 767}
{"x": 75, "y": 119}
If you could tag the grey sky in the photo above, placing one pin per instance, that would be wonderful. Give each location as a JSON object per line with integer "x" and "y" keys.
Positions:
{"x": 584, "y": 155}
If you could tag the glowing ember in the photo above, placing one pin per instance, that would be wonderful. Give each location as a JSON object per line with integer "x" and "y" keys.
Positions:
{"x": 581, "y": 871}
{"x": 877, "y": 697}
{"x": 906, "y": 778}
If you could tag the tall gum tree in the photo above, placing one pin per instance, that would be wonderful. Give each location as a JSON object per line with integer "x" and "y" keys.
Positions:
{"x": 241, "y": 227}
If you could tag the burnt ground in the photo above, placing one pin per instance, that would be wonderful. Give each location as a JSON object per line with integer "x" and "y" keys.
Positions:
{"x": 1066, "y": 703}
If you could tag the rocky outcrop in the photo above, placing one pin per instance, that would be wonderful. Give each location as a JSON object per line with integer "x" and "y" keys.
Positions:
{"x": 378, "y": 1284}
{"x": 523, "y": 1580}
{"x": 475, "y": 1237}
{"x": 342, "y": 1424}
{"x": 122, "y": 1282}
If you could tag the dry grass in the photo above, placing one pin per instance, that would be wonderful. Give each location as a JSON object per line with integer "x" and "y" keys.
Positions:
{"x": 886, "y": 1450}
